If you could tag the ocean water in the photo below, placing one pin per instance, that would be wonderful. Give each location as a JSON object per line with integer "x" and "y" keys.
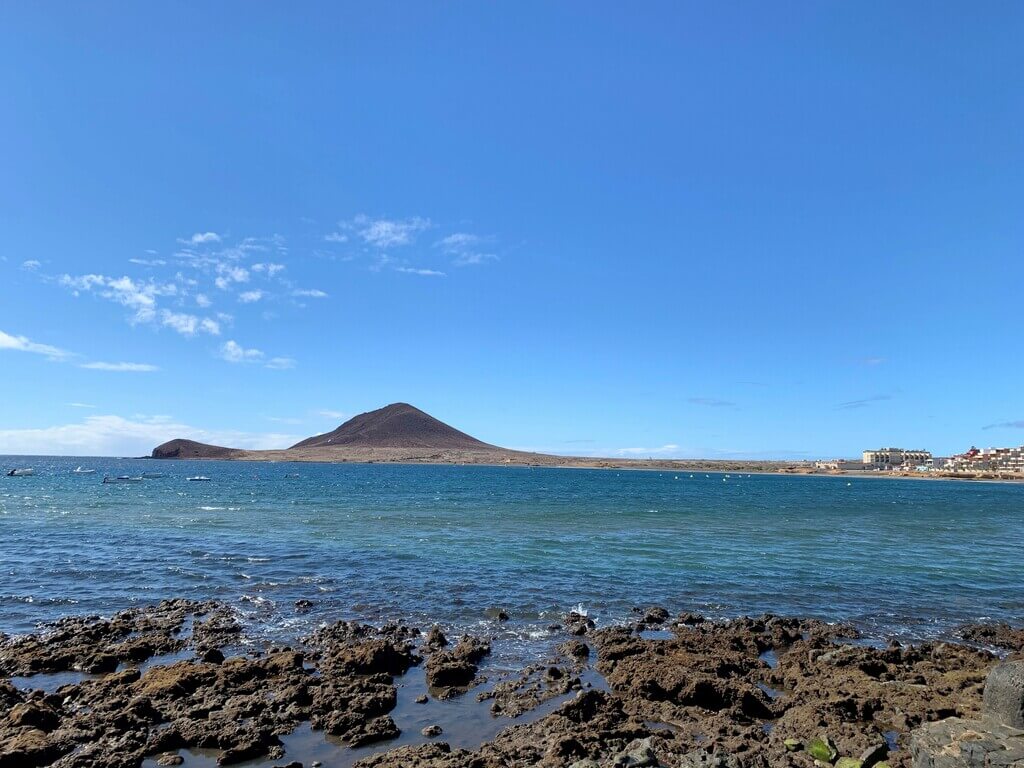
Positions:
{"x": 451, "y": 544}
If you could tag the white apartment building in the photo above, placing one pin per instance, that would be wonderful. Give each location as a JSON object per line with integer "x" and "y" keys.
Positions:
{"x": 895, "y": 457}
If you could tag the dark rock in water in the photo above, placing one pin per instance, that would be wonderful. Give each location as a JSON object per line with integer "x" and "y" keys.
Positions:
{"x": 456, "y": 668}
{"x": 436, "y": 638}
{"x": 575, "y": 649}
{"x": 1004, "y": 694}
{"x": 302, "y": 606}
{"x": 431, "y": 731}
{"x": 172, "y": 759}
{"x": 997, "y": 635}
{"x": 655, "y": 615}
{"x": 578, "y": 624}
{"x": 690, "y": 619}
{"x": 502, "y": 615}
{"x": 213, "y": 656}
{"x": 422, "y": 699}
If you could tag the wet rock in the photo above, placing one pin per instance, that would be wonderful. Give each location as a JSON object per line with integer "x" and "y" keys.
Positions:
{"x": 502, "y": 615}
{"x": 303, "y": 606}
{"x": 577, "y": 623}
{"x": 996, "y": 635}
{"x": 454, "y": 670}
{"x": 431, "y": 731}
{"x": 655, "y": 615}
{"x": 172, "y": 759}
{"x": 575, "y": 649}
{"x": 435, "y": 638}
{"x": 702, "y": 759}
{"x": 432, "y": 755}
{"x": 213, "y": 656}
{"x": 874, "y": 754}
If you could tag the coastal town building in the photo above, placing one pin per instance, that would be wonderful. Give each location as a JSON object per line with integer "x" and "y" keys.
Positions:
{"x": 840, "y": 464}
{"x": 886, "y": 458}
{"x": 988, "y": 460}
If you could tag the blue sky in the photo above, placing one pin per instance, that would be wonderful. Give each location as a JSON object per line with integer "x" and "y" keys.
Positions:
{"x": 681, "y": 229}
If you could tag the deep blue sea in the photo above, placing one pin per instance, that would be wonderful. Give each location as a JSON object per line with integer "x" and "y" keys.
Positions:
{"x": 452, "y": 544}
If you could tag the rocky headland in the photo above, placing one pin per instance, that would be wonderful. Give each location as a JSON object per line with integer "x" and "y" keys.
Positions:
{"x": 162, "y": 683}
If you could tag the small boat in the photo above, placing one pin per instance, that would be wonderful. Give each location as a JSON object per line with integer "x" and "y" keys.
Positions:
{"x": 83, "y": 471}
{"x": 122, "y": 479}
{"x": 26, "y": 472}
{"x": 198, "y": 479}
{"x": 153, "y": 475}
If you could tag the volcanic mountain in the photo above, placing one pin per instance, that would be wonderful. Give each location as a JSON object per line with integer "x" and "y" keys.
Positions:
{"x": 398, "y": 425}
{"x": 394, "y": 432}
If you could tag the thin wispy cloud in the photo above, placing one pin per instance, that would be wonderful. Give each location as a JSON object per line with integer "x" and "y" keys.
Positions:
{"x": 465, "y": 249}
{"x": 310, "y": 293}
{"x": 201, "y": 238}
{"x": 418, "y": 271}
{"x": 251, "y": 297}
{"x": 336, "y": 237}
{"x": 280, "y": 363}
{"x": 79, "y": 405}
{"x": 328, "y": 414}
{"x": 711, "y": 402}
{"x": 863, "y": 402}
{"x": 31, "y": 264}
{"x": 24, "y": 344}
{"x": 385, "y": 233}
{"x": 873, "y": 361}
{"x": 121, "y": 367}
{"x": 1005, "y": 425}
{"x": 270, "y": 268}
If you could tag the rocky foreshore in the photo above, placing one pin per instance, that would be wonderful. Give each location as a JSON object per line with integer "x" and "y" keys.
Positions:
{"x": 159, "y": 682}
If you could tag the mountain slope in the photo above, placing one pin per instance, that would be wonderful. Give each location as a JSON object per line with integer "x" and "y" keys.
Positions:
{"x": 398, "y": 425}
{"x": 190, "y": 449}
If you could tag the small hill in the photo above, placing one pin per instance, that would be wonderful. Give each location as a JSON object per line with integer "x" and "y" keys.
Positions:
{"x": 190, "y": 449}
{"x": 398, "y": 425}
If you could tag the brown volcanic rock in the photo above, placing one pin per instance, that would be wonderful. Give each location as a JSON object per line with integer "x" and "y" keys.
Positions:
{"x": 398, "y": 425}
{"x": 190, "y": 449}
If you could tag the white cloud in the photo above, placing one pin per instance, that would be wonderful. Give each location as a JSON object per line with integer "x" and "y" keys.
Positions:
{"x": 331, "y": 414}
{"x": 234, "y": 352}
{"x": 387, "y": 233}
{"x": 251, "y": 297}
{"x": 464, "y": 248}
{"x": 665, "y": 449}
{"x": 147, "y": 262}
{"x": 280, "y": 363}
{"x": 189, "y": 325}
{"x": 203, "y": 300}
{"x": 424, "y": 272}
{"x": 31, "y": 264}
{"x": 117, "y": 436}
{"x": 123, "y": 367}
{"x": 312, "y": 293}
{"x": 230, "y": 273}
{"x": 80, "y": 405}
{"x": 336, "y": 237}
{"x": 270, "y": 269}
{"x": 201, "y": 238}
{"x": 24, "y": 344}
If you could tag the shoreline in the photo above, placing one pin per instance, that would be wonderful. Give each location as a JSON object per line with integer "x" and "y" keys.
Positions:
{"x": 669, "y": 687}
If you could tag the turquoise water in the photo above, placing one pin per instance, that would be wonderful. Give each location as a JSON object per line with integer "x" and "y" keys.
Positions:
{"x": 449, "y": 544}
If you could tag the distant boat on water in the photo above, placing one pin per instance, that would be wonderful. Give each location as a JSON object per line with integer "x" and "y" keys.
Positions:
{"x": 122, "y": 479}
{"x": 198, "y": 479}
{"x": 83, "y": 471}
{"x": 25, "y": 472}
